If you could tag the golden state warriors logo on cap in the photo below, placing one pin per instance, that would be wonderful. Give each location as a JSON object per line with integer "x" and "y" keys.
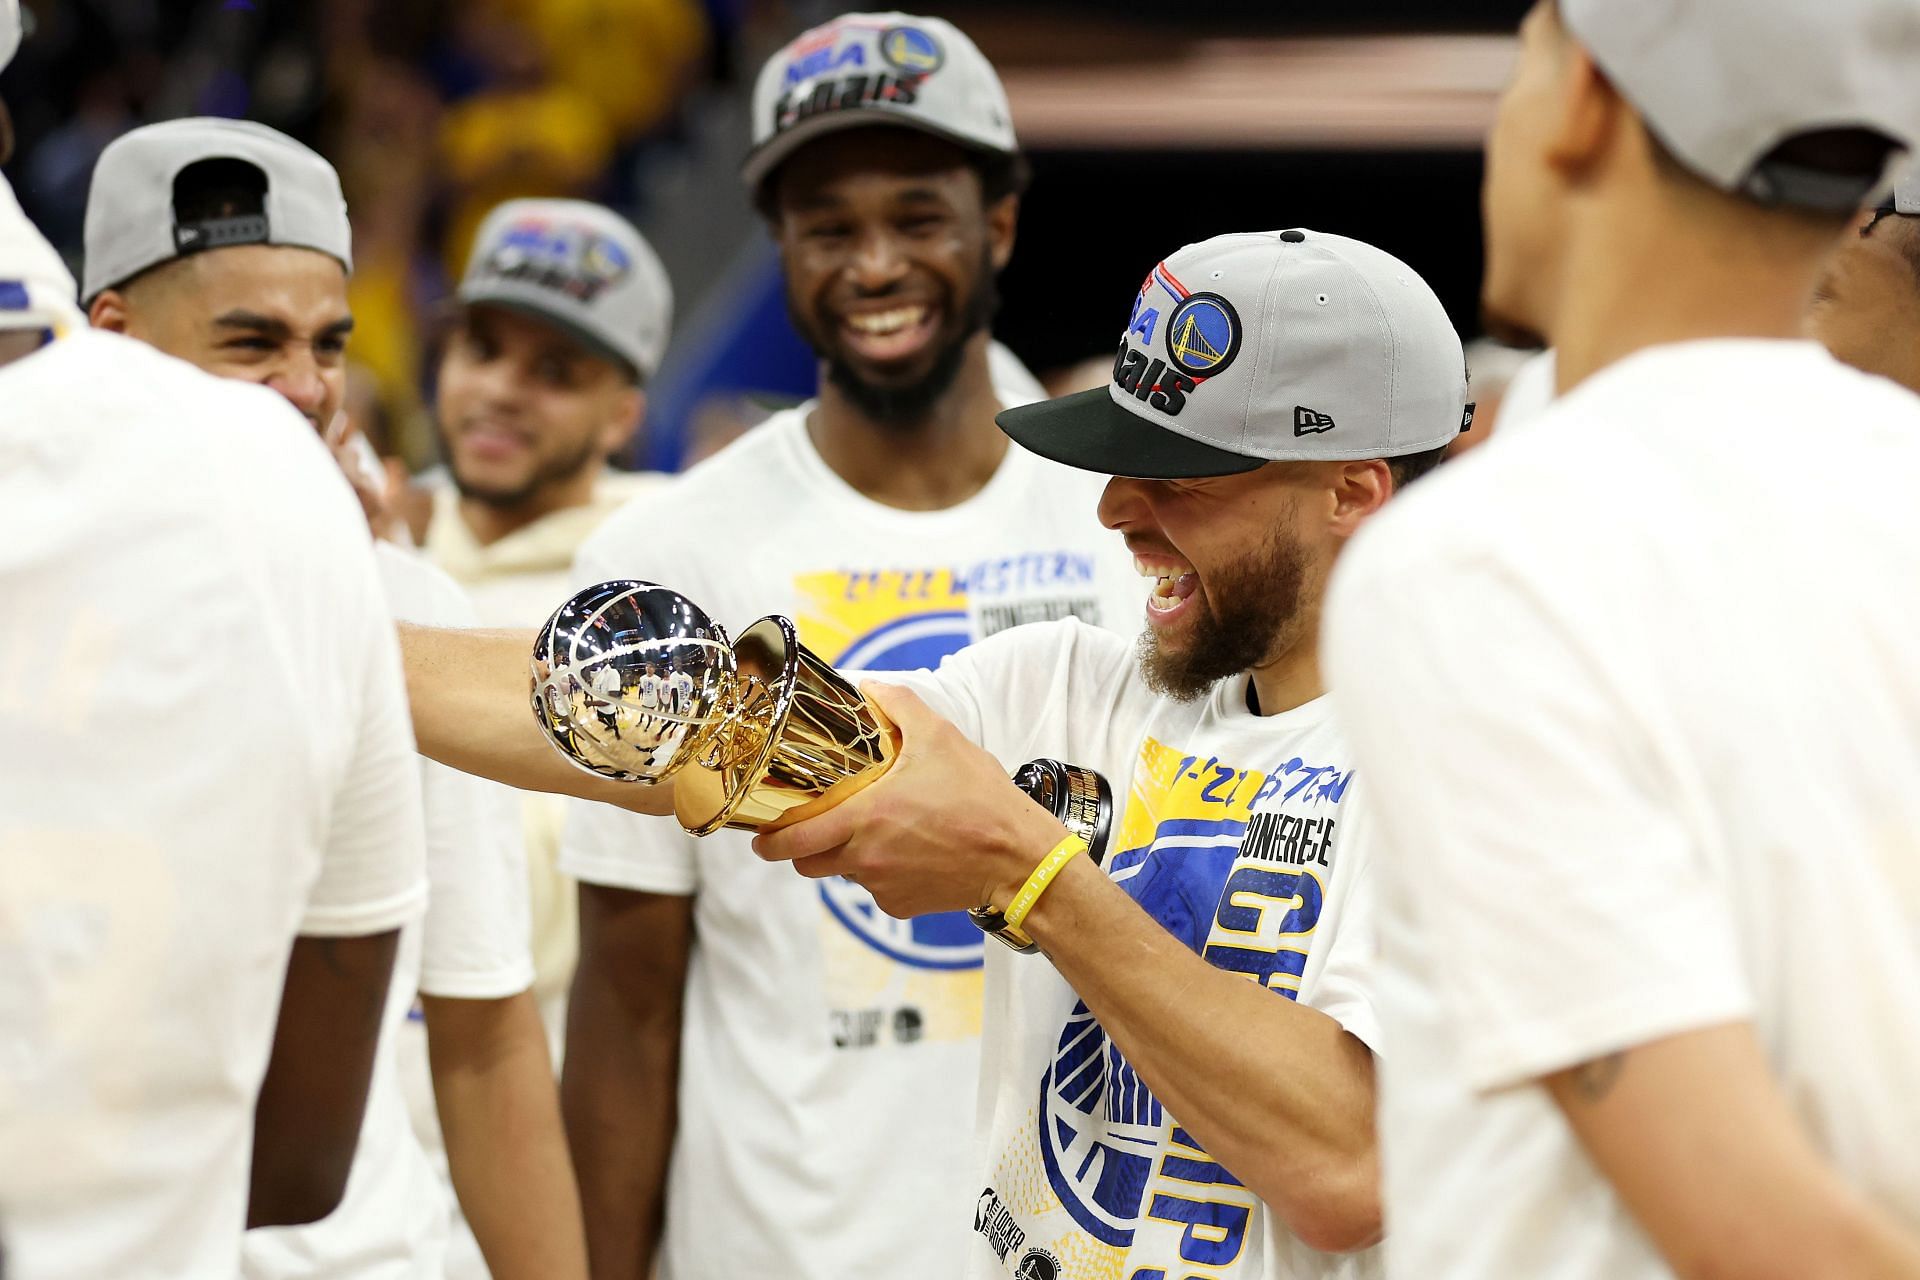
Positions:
{"x": 1203, "y": 335}
{"x": 911, "y": 50}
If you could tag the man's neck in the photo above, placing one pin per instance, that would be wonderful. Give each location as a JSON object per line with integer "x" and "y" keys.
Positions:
{"x": 1655, "y": 274}
{"x": 1292, "y": 680}
{"x": 936, "y": 464}
{"x": 489, "y": 522}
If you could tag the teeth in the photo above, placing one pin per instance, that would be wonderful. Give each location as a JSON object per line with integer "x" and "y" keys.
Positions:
{"x": 883, "y": 322}
{"x": 1163, "y": 579}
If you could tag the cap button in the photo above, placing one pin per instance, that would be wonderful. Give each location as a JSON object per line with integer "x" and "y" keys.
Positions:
{"x": 1293, "y": 237}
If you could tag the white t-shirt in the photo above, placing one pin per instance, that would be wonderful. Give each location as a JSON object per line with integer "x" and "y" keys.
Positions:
{"x": 204, "y": 750}
{"x": 393, "y": 1221}
{"x": 1635, "y": 692}
{"x": 830, "y": 1053}
{"x": 1238, "y": 833}
{"x": 1530, "y": 393}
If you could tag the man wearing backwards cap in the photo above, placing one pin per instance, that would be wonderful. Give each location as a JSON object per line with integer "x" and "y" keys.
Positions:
{"x": 825, "y": 1098}
{"x": 227, "y": 244}
{"x": 154, "y": 939}
{"x": 1636, "y": 693}
{"x": 1184, "y": 1083}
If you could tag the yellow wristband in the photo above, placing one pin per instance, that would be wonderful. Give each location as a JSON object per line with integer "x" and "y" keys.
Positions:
{"x": 1042, "y": 876}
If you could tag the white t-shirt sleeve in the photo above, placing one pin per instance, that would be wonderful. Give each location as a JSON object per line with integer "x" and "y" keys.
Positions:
{"x": 372, "y": 877}
{"x": 1344, "y": 989}
{"x": 1525, "y": 818}
{"x": 606, "y": 845}
{"x": 477, "y": 941}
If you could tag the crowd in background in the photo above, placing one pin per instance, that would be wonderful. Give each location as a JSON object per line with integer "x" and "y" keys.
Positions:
{"x": 433, "y": 112}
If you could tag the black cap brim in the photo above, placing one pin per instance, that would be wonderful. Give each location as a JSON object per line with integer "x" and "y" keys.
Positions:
{"x": 1089, "y": 431}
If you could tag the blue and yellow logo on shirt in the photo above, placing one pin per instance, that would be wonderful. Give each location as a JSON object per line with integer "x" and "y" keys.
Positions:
{"x": 1128, "y": 1176}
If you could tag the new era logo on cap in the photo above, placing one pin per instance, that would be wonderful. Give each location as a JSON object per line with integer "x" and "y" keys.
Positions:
{"x": 877, "y": 68}
{"x": 1306, "y": 422}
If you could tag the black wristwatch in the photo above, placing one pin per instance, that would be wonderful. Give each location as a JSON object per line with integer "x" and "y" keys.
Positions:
{"x": 1082, "y": 801}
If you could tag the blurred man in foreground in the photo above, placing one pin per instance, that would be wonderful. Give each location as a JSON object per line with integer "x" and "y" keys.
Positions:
{"x": 227, "y": 244}
{"x": 184, "y": 579}
{"x": 1659, "y": 752}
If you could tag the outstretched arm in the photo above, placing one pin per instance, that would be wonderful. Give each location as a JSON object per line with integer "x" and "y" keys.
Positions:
{"x": 1654, "y": 1117}
{"x": 470, "y": 692}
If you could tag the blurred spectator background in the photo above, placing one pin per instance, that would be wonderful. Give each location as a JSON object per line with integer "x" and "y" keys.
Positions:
{"x": 1149, "y": 126}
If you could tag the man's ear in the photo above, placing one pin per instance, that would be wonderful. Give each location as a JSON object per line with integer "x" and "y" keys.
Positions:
{"x": 1003, "y": 216}
{"x": 1587, "y": 115}
{"x": 109, "y": 312}
{"x": 1360, "y": 489}
{"x": 624, "y": 421}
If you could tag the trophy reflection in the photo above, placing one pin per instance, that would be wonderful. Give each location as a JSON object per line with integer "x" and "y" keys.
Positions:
{"x": 635, "y": 682}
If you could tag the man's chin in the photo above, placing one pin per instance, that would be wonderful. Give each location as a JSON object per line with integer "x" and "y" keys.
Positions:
{"x": 1504, "y": 325}
{"x": 489, "y": 492}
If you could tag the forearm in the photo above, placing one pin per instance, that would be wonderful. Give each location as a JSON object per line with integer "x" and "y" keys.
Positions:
{"x": 506, "y": 1149}
{"x": 620, "y": 1098}
{"x": 1279, "y": 1093}
{"x": 1652, "y": 1117}
{"x": 470, "y": 692}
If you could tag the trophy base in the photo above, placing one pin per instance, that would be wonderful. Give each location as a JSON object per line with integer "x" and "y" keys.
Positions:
{"x": 803, "y": 740}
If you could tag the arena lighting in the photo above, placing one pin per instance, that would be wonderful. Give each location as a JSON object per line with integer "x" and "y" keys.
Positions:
{"x": 1429, "y": 91}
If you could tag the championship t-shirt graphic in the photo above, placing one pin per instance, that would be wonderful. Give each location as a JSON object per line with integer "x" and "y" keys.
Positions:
{"x": 904, "y": 980}
{"x": 1232, "y": 851}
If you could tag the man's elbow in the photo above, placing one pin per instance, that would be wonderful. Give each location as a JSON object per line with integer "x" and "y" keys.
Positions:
{"x": 1339, "y": 1209}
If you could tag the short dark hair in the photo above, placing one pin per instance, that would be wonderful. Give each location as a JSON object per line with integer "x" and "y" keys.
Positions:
{"x": 1001, "y": 174}
{"x": 1409, "y": 467}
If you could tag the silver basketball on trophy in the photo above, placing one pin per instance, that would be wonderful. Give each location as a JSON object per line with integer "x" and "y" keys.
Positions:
{"x": 631, "y": 680}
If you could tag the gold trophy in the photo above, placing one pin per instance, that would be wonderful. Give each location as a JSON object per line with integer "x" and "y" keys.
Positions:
{"x": 635, "y": 682}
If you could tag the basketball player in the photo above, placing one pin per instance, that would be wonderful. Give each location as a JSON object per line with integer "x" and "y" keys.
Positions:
{"x": 227, "y": 244}
{"x": 1636, "y": 692}
{"x": 798, "y": 1087}
{"x": 1186, "y": 1083}
{"x": 1866, "y": 309}
{"x": 560, "y": 321}
{"x": 261, "y": 845}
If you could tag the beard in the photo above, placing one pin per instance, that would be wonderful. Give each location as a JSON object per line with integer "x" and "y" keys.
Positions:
{"x": 546, "y": 471}
{"x": 1263, "y": 591}
{"x": 903, "y": 408}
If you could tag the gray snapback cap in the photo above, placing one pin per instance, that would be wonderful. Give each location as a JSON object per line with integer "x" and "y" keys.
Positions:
{"x": 877, "y": 68}
{"x": 1724, "y": 82}
{"x": 581, "y": 267}
{"x": 130, "y": 221}
{"x": 1254, "y": 348}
